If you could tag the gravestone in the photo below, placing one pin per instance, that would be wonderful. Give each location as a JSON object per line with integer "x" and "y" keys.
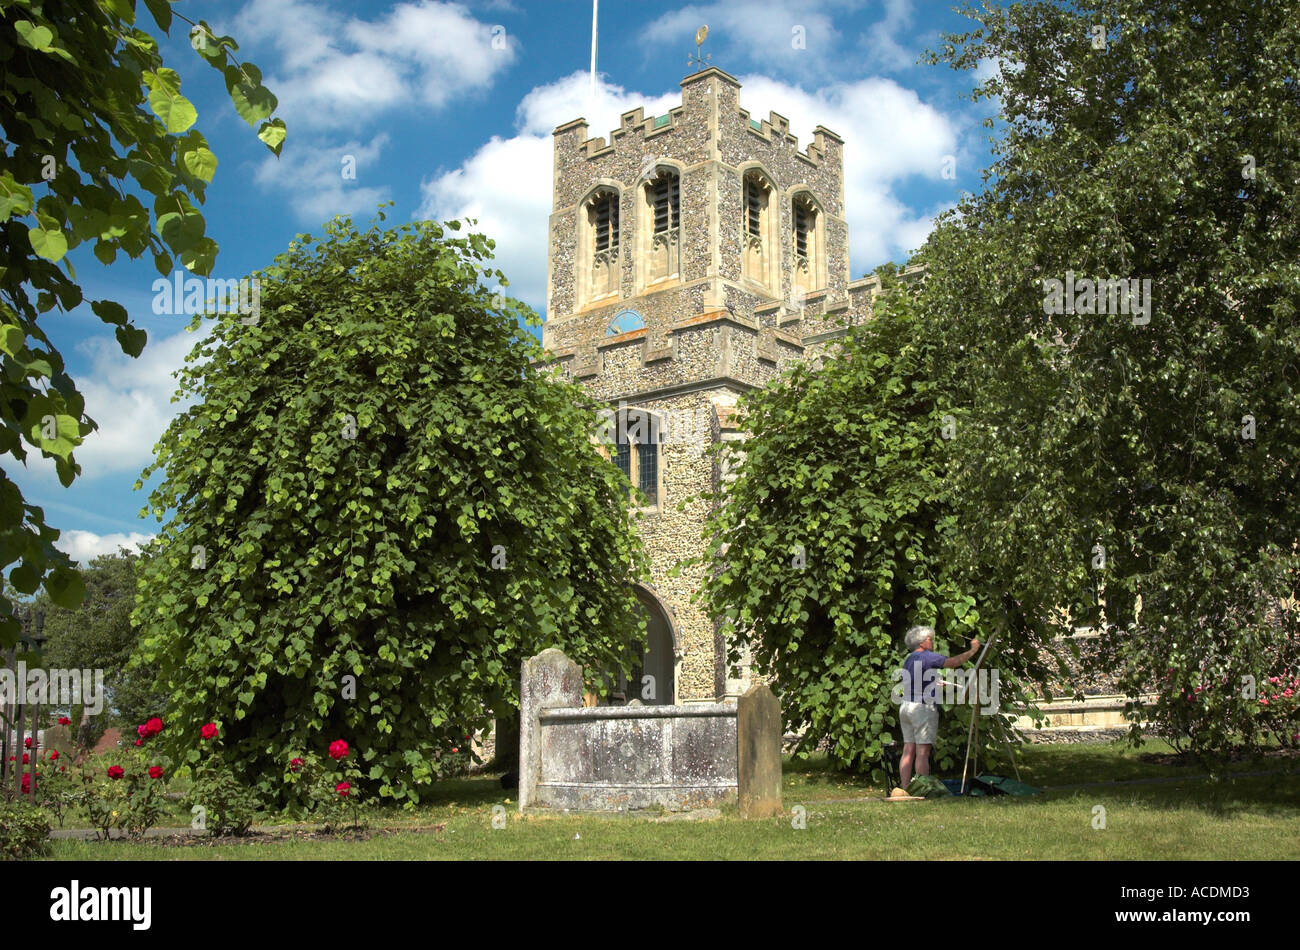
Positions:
{"x": 758, "y": 740}
{"x": 59, "y": 737}
{"x": 549, "y": 679}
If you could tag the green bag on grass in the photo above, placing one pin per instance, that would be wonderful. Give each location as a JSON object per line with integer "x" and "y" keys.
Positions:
{"x": 927, "y": 786}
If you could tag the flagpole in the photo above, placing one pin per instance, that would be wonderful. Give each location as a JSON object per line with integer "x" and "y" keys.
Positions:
{"x": 591, "y": 96}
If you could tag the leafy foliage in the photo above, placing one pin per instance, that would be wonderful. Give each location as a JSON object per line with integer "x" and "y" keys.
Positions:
{"x": 1103, "y": 470}
{"x": 382, "y": 506}
{"x": 98, "y": 634}
{"x": 24, "y": 832}
{"x": 88, "y": 111}
{"x": 832, "y": 537}
{"x": 1107, "y": 465}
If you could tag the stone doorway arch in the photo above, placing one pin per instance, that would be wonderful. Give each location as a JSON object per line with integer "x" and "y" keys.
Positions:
{"x": 661, "y": 657}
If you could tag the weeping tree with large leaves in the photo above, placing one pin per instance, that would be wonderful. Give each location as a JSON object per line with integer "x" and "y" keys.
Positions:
{"x": 832, "y": 540}
{"x": 380, "y": 505}
{"x": 1129, "y": 464}
{"x": 99, "y": 147}
{"x": 1135, "y": 462}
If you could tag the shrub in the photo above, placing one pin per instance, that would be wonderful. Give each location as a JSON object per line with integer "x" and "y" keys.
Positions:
{"x": 220, "y": 802}
{"x": 226, "y": 806}
{"x": 24, "y": 832}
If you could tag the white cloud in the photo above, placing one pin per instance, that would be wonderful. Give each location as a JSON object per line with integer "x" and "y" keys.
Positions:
{"x": 85, "y": 546}
{"x": 342, "y": 71}
{"x": 890, "y": 136}
{"x": 311, "y": 178}
{"x": 881, "y": 41}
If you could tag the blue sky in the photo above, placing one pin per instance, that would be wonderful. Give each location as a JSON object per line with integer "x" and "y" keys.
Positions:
{"x": 446, "y": 109}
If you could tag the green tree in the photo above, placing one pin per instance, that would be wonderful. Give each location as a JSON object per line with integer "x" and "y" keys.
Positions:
{"x": 1109, "y": 456}
{"x": 92, "y": 122}
{"x": 378, "y": 485}
{"x": 99, "y": 634}
{"x": 831, "y": 541}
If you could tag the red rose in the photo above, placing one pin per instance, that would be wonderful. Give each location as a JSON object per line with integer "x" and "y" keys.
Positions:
{"x": 139, "y": 742}
{"x": 295, "y": 764}
{"x": 63, "y": 768}
{"x": 454, "y": 750}
{"x": 28, "y": 742}
{"x": 338, "y": 749}
{"x": 116, "y": 771}
{"x": 155, "y": 771}
{"x": 152, "y": 727}
{"x": 342, "y": 788}
{"x": 26, "y": 758}
{"x": 54, "y": 755}
{"x": 64, "y": 721}
{"x": 27, "y": 783}
{"x": 209, "y": 730}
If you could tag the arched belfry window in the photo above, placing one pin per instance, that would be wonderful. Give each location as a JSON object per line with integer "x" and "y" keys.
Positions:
{"x": 809, "y": 242}
{"x": 598, "y": 271}
{"x": 761, "y": 259}
{"x": 659, "y": 256}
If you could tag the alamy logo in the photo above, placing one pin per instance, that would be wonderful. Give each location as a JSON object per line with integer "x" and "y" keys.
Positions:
{"x": 190, "y": 295}
{"x": 965, "y": 687}
{"x": 1103, "y": 295}
{"x": 57, "y": 687}
{"x": 103, "y": 903}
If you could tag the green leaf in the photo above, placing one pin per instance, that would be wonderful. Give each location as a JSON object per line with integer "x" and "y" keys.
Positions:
{"x": 273, "y": 133}
{"x": 253, "y": 101}
{"x": 34, "y": 37}
{"x": 14, "y": 198}
{"x": 162, "y": 13}
{"x": 12, "y": 338}
{"x": 201, "y": 163}
{"x": 181, "y": 232}
{"x": 65, "y": 587}
{"x": 110, "y": 312}
{"x": 176, "y": 112}
{"x": 49, "y": 244}
{"x": 132, "y": 340}
{"x": 125, "y": 9}
{"x": 25, "y": 578}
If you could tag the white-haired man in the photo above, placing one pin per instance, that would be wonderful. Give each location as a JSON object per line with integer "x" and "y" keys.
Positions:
{"x": 918, "y": 714}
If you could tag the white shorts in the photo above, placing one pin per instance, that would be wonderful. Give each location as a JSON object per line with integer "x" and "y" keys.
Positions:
{"x": 920, "y": 723}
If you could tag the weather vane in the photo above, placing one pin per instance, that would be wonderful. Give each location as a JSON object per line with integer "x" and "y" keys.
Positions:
{"x": 698, "y": 61}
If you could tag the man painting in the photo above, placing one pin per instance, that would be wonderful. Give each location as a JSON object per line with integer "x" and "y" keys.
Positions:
{"x": 918, "y": 712}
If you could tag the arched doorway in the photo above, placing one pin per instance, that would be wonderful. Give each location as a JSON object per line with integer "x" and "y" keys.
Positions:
{"x": 654, "y": 681}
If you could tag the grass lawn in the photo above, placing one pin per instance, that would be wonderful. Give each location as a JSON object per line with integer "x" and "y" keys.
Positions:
{"x": 1237, "y": 817}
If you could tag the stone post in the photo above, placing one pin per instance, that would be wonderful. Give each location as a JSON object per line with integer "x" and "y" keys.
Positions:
{"x": 549, "y": 679}
{"x": 758, "y": 753}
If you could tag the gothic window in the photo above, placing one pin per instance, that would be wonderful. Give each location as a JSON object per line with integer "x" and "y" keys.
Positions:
{"x": 660, "y": 229}
{"x": 759, "y": 241}
{"x": 598, "y": 273}
{"x": 637, "y": 438}
{"x": 809, "y": 244}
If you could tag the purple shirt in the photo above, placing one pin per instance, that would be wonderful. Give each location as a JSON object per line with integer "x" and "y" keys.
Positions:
{"x": 915, "y": 680}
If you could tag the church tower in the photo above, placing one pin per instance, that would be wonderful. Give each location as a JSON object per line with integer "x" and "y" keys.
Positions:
{"x": 693, "y": 257}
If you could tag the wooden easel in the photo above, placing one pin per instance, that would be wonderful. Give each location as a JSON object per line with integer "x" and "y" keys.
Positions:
{"x": 972, "y": 735}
